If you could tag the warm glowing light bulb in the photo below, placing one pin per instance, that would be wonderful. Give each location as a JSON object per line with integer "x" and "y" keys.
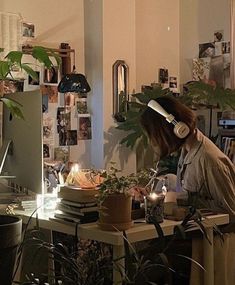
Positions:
{"x": 75, "y": 168}
{"x": 153, "y": 196}
{"x": 168, "y": 28}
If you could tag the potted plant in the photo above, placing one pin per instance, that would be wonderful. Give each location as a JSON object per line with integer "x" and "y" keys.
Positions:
{"x": 197, "y": 95}
{"x": 14, "y": 61}
{"x": 115, "y": 201}
{"x": 10, "y": 232}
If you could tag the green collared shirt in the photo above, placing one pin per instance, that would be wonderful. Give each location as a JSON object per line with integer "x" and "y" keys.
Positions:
{"x": 208, "y": 174}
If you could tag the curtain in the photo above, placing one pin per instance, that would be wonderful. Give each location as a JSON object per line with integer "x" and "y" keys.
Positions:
{"x": 10, "y": 31}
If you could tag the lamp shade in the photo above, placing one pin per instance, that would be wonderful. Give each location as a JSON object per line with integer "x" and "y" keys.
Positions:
{"x": 74, "y": 82}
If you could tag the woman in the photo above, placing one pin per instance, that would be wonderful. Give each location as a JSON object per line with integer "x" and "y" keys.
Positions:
{"x": 204, "y": 172}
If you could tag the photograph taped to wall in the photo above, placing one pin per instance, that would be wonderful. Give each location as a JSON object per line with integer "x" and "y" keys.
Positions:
{"x": 63, "y": 123}
{"x": 32, "y": 81}
{"x": 71, "y": 137}
{"x": 201, "y": 68}
{"x": 63, "y": 118}
{"x": 163, "y": 75}
{"x": 218, "y": 36}
{"x": 225, "y": 47}
{"x": 84, "y": 128}
{"x": 69, "y": 99}
{"x": 173, "y": 82}
{"x": 206, "y": 50}
{"x": 51, "y": 91}
{"x": 61, "y": 153}
{"x": 81, "y": 105}
{"x": 51, "y": 75}
{"x": 48, "y": 129}
{"x": 47, "y": 151}
{"x": 28, "y": 30}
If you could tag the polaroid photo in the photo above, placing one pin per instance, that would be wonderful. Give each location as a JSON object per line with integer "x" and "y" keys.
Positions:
{"x": 51, "y": 92}
{"x": 71, "y": 137}
{"x": 225, "y": 47}
{"x": 218, "y": 36}
{"x": 28, "y": 30}
{"x": 201, "y": 68}
{"x": 61, "y": 153}
{"x": 69, "y": 99}
{"x": 32, "y": 81}
{"x": 163, "y": 75}
{"x": 48, "y": 129}
{"x": 51, "y": 75}
{"x": 173, "y": 82}
{"x": 206, "y": 50}
{"x": 84, "y": 128}
{"x": 63, "y": 119}
{"x": 81, "y": 106}
{"x": 47, "y": 151}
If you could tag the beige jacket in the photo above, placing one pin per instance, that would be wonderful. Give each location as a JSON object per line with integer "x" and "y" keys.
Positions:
{"x": 209, "y": 173}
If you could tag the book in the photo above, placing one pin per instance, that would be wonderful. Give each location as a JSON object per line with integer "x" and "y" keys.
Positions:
{"x": 77, "y": 204}
{"x": 75, "y": 210}
{"x": 92, "y": 217}
{"x": 76, "y": 194}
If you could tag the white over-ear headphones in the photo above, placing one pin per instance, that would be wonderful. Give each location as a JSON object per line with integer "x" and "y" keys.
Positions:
{"x": 181, "y": 130}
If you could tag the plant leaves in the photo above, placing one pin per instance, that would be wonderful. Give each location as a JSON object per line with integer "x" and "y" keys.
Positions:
{"x": 30, "y": 71}
{"x": 15, "y": 57}
{"x": 4, "y": 69}
{"x": 14, "y": 107}
{"x": 41, "y": 54}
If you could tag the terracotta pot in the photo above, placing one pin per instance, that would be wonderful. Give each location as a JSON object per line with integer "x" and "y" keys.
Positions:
{"x": 115, "y": 213}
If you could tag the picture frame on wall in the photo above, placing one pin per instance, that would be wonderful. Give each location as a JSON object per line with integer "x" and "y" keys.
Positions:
{"x": 51, "y": 76}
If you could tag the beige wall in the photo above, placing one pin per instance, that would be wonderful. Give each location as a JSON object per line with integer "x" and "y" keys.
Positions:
{"x": 199, "y": 19}
{"x": 157, "y": 39}
{"x": 55, "y": 22}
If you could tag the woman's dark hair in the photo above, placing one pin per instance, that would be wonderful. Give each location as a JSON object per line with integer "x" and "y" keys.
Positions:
{"x": 159, "y": 131}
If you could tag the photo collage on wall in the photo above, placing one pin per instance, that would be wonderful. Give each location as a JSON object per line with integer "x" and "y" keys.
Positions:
{"x": 213, "y": 62}
{"x": 168, "y": 81}
{"x": 66, "y": 118}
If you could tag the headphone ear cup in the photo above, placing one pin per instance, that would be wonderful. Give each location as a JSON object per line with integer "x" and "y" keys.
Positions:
{"x": 181, "y": 130}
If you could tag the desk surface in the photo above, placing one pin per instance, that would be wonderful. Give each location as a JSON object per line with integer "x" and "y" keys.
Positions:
{"x": 139, "y": 232}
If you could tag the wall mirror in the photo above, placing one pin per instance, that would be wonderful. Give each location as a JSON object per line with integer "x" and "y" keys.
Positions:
{"x": 120, "y": 89}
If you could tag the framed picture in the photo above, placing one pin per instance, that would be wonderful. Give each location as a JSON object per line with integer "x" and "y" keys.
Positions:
{"x": 51, "y": 76}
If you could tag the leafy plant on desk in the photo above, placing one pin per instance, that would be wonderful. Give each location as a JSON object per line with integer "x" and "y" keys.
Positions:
{"x": 114, "y": 183}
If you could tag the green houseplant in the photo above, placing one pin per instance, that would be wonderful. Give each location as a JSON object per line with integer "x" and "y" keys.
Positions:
{"x": 197, "y": 95}
{"x": 115, "y": 200}
{"x": 14, "y": 61}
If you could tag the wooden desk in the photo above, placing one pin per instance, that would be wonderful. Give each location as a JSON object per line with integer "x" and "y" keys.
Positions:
{"x": 139, "y": 232}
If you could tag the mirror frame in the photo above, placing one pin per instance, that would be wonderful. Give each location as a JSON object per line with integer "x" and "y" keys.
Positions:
{"x": 120, "y": 78}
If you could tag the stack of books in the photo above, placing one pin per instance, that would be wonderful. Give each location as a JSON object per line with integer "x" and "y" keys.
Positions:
{"x": 76, "y": 205}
